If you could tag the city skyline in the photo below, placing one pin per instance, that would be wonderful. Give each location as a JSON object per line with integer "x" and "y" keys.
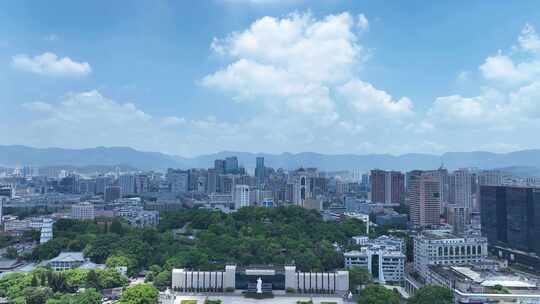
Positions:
{"x": 331, "y": 77}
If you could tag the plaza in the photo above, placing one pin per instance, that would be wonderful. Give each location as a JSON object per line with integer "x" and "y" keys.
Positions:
{"x": 240, "y": 299}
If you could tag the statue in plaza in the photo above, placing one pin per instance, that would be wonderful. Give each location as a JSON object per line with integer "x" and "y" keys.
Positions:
{"x": 259, "y": 285}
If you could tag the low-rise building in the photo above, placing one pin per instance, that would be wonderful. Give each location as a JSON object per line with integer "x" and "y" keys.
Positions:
{"x": 384, "y": 258}
{"x": 472, "y": 284}
{"x": 83, "y": 211}
{"x": 441, "y": 247}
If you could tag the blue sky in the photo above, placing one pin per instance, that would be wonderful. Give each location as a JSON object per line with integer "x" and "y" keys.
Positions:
{"x": 330, "y": 76}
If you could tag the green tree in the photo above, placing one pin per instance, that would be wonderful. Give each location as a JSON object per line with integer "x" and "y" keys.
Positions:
{"x": 378, "y": 294}
{"x": 11, "y": 253}
{"x": 116, "y": 227}
{"x": 89, "y": 296}
{"x": 122, "y": 260}
{"x": 430, "y": 294}
{"x": 358, "y": 276}
{"x": 36, "y": 295}
{"x": 140, "y": 294}
{"x": 92, "y": 279}
{"x": 163, "y": 280}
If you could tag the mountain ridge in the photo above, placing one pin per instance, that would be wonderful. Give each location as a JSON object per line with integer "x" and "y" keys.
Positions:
{"x": 19, "y": 155}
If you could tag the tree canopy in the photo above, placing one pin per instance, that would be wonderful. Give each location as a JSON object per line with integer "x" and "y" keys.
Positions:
{"x": 378, "y": 294}
{"x": 430, "y": 294}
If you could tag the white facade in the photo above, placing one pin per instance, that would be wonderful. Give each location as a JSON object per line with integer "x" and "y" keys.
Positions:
{"x": 46, "y": 231}
{"x": 83, "y": 211}
{"x": 241, "y": 196}
{"x": 383, "y": 257}
{"x": 462, "y": 188}
{"x": 443, "y": 248}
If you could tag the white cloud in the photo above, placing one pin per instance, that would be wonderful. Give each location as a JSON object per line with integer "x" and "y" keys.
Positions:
{"x": 364, "y": 98}
{"x": 295, "y": 66}
{"x": 48, "y": 64}
{"x": 362, "y": 22}
{"x": 528, "y": 40}
{"x": 507, "y": 109}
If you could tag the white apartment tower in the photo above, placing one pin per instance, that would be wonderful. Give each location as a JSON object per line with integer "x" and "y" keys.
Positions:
{"x": 46, "y": 231}
{"x": 241, "y": 196}
{"x": 462, "y": 188}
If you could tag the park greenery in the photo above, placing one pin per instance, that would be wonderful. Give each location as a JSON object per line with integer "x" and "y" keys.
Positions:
{"x": 44, "y": 285}
{"x": 430, "y": 294}
{"x": 193, "y": 239}
{"x": 208, "y": 240}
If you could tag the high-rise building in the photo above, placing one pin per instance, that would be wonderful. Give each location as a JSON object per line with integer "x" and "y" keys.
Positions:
{"x": 2, "y": 200}
{"x": 83, "y": 211}
{"x": 424, "y": 198}
{"x": 387, "y": 187}
{"x": 219, "y": 166}
{"x": 178, "y": 180}
{"x": 103, "y": 182}
{"x": 127, "y": 184}
{"x": 510, "y": 218}
{"x": 259, "y": 171}
{"x": 241, "y": 196}
{"x": 211, "y": 181}
{"x": 301, "y": 187}
{"x": 459, "y": 217}
{"x": 461, "y": 188}
{"x": 378, "y": 185}
{"x": 490, "y": 178}
{"x": 112, "y": 193}
{"x": 142, "y": 182}
{"x": 231, "y": 164}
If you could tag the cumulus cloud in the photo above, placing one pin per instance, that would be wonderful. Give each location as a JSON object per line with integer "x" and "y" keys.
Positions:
{"x": 364, "y": 98}
{"x": 507, "y": 110}
{"x": 48, "y": 64}
{"x": 302, "y": 70}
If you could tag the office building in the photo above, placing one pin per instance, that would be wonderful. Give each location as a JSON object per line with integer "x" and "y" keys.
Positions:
{"x": 510, "y": 218}
{"x": 490, "y": 178}
{"x": 424, "y": 198}
{"x": 83, "y": 211}
{"x": 231, "y": 164}
{"x": 259, "y": 171}
{"x": 112, "y": 193}
{"x": 384, "y": 258}
{"x": 219, "y": 166}
{"x": 127, "y": 184}
{"x": 439, "y": 247}
{"x": 211, "y": 181}
{"x": 241, "y": 196}
{"x": 178, "y": 180}
{"x": 103, "y": 182}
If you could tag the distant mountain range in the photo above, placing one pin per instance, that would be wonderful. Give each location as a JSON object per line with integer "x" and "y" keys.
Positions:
{"x": 526, "y": 162}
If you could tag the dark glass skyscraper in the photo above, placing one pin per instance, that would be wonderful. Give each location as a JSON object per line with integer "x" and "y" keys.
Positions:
{"x": 511, "y": 217}
{"x": 259, "y": 171}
